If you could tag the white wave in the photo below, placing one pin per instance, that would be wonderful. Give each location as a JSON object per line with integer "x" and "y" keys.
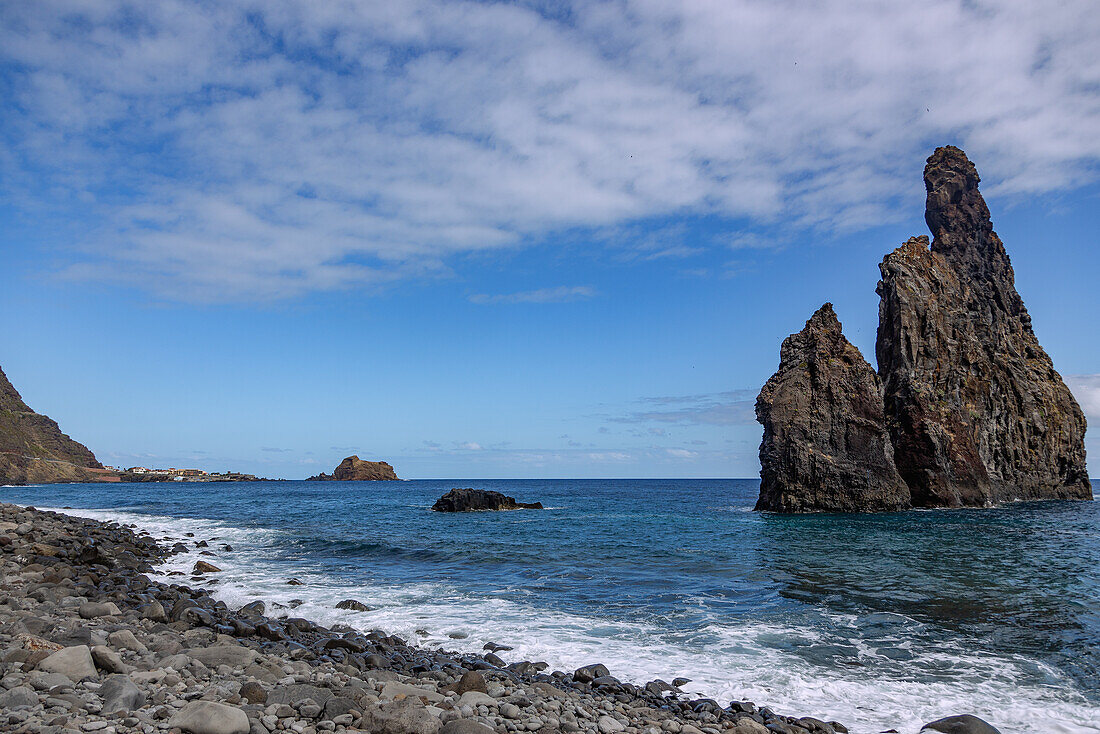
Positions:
{"x": 726, "y": 662}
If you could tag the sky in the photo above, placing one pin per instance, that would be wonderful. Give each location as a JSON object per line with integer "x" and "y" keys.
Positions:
{"x": 543, "y": 239}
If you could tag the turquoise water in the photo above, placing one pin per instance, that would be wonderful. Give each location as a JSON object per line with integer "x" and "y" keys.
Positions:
{"x": 878, "y": 621}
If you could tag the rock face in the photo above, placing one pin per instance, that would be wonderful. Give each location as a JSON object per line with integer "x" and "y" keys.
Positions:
{"x": 33, "y": 450}
{"x": 825, "y": 447}
{"x": 354, "y": 469}
{"x": 475, "y": 500}
{"x": 970, "y": 412}
{"x": 976, "y": 411}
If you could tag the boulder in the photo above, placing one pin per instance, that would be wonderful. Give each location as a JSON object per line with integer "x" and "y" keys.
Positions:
{"x": 18, "y": 697}
{"x": 825, "y": 446}
{"x": 75, "y": 663}
{"x": 406, "y": 716}
{"x": 353, "y": 605}
{"x": 204, "y": 567}
{"x": 965, "y": 724}
{"x": 207, "y": 717}
{"x": 466, "y": 726}
{"x": 120, "y": 694}
{"x": 976, "y": 411}
{"x": 107, "y": 660}
{"x": 471, "y": 680}
{"x": 234, "y": 656}
{"x": 92, "y": 610}
{"x": 477, "y": 500}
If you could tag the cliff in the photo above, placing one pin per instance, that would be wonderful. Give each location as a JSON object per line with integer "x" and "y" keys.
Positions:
{"x": 33, "y": 450}
{"x": 976, "y": 411}
{"x": 825, "y": 446}
{"x": 354, "y": 469}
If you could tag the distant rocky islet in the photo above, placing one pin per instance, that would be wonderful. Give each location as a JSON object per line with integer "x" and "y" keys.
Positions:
{"x": 354, "y": 469}
{"x": 966, "y": 408}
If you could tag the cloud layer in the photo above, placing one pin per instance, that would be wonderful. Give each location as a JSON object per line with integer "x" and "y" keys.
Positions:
{"x": 245, "y": 150}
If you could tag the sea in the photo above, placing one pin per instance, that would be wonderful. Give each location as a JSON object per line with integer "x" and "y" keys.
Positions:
{"x": 881, "y": 622}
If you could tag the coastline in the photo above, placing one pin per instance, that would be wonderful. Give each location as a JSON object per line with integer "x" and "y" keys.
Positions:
{"x": 180, "y": 649}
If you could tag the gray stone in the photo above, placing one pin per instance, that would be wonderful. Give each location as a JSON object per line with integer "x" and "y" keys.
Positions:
{"x": 609, "y": 725}
{"x": 234, "y": 656}
{"x": 294, "y": 693}
{"x": 964, "y": 724}
{"x": 207, "y": 717}
{"x": 340, "y": 705}
{"x": 18, "y": 697}
{"x": 91, "y": 610}
{"x": 107, "y": 660}
{"x": 120, "y": 694}
{"x": 510, "y": 711}
{"x": 394, "y": 689}
{"x": 466, "y": 726}
{"x": 406, "y": 716}
{"x": 75, "y": 663}
{"x": 476, "y": 698}
{"x": 253, "y": 692}
{"x": 125, "y": 640}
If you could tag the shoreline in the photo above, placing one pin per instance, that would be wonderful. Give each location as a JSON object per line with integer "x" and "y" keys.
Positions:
{"x": 59, "y": 569}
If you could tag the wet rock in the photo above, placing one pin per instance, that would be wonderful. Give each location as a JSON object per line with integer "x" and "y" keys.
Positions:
{"x": 825, "y": 445}
{"x": 589, "y": 673}
{"x": 477, "y": 500}
{"x": 208, "y": 717}
{"x": 976, "y": 411}
{"x": 964, "y": 724}
{"x": 353, "y": 605}
{"x": 202, "y": 567}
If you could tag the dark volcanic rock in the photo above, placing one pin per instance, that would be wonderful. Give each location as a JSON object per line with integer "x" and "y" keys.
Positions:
{"x": 34, "y": 450}
{"x": 976, "y": 411}
{"x": 470, "y": 500}
{"x": 354, "y": 469}
{"x": 825, "y": 446}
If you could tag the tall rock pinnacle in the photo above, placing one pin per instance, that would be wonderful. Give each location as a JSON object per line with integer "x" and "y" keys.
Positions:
{"x": 975, "y": 409}
{"x": 825, "y": 446}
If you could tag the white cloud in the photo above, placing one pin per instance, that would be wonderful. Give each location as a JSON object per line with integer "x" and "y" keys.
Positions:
{"x": 561, "y": 294}
{"x": 1086, "y": 388}
{"x": 376, "y": 142}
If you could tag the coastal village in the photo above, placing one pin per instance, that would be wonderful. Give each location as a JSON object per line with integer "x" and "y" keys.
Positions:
{"x": 145, "y": 474}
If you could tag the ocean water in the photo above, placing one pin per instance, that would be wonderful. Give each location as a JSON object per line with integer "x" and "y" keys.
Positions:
{"x": 878, "y": 621}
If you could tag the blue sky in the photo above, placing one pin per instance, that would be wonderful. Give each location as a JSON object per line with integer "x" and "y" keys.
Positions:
{"x": 492, "y": 240}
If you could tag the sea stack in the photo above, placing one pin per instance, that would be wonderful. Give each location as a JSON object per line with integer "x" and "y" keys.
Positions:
{"x": 971, "y": 410}
{"x": 354, "y": 469}
{"x": 33, "y": 450}
{"x": 825, "y": 447}
{"x": 976, "y": 411}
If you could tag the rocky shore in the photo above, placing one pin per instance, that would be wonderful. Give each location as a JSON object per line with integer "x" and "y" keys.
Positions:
{"x": 88, "y": 643}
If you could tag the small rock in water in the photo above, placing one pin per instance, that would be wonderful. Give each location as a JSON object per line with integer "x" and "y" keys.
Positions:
{"x": 964, "y": 724}
{"x": 353, "y": 605}
{"x": 680, "y": 681}
{"x": 457, "y": 635}
{"x": 202, "y": 567}
{"x": 294, "y": 582}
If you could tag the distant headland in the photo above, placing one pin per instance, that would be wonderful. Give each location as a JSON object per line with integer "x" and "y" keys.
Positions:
{"x": 966, "y": 408}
